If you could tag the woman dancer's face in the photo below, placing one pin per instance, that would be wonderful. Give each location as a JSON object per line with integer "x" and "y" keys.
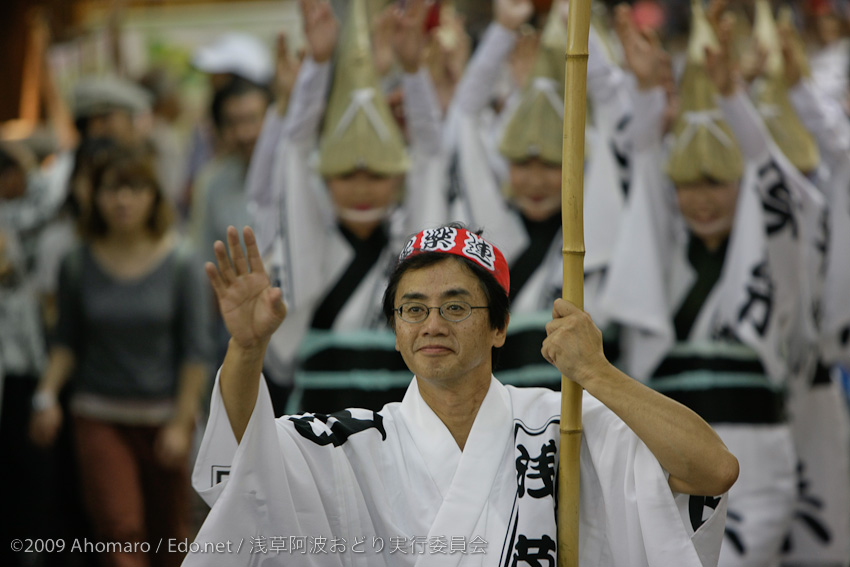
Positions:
{"x": 536, "y": 187}
{"x": 363, "y": 199}
{"x": 709, "y": 209}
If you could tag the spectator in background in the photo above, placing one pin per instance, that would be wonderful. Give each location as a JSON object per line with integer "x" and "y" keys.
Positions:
{"x": 231, "y": 56}
{"x": 60, "y": 234}
{"x": 132, "y": 332}
{"x": 111, "y": 107}
{"x": 22, "y": 357}
{"x": 219, "y": 198}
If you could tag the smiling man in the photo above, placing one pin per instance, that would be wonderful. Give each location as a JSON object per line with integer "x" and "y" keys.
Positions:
{"x": 463, "y": 470}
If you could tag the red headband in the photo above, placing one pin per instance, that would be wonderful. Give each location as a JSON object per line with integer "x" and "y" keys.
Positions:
{"x": 461, "y": 242}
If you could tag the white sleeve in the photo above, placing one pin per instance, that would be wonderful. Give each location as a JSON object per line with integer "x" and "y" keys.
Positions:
{"x": 426, "y": 190}
{"x": 289, "y": 480}
{"x": 607, "y": 84}
{"x": 478, "y": 81}
{"x": 646, "y": 524}
{"x": 636, "y": 292}
{"x": 307, "y": 102}
{"x": 422, "y": 111}
{"x": 644, "y": 129}
{"x": 302, "y": 211}
{"x": 825, "y": 119}
{"x": 745, "y": 122}
{"x": 256, "y": 493}
{"x": 259, "y": 186}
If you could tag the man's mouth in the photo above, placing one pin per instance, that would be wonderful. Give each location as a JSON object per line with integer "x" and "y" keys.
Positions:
{"x": 434, "y": 349}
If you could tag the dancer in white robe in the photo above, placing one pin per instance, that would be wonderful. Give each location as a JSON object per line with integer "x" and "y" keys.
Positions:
{"x": 463, "y": 470}
{"x": 331, "y": 239}
{"x": 525, "y": 218}
{"x": 700, "y": 285}
{"x": 818, "y": 413}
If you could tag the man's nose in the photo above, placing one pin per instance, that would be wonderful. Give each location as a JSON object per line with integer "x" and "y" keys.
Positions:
{"x": 434, "y": 321}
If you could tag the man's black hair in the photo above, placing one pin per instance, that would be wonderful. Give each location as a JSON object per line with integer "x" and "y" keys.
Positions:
{"x": 237, "y": 86}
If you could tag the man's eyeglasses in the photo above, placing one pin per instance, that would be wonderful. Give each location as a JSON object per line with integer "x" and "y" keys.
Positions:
{"x": 454, "y": 311}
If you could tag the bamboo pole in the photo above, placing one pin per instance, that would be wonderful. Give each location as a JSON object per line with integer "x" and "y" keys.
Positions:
{"x": 572, "y": 184}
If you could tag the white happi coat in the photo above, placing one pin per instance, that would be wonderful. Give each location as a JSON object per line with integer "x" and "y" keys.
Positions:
{"x": 393, "y": 488}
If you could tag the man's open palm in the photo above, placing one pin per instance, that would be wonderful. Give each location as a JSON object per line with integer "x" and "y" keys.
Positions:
{"x": 252, "y": 310}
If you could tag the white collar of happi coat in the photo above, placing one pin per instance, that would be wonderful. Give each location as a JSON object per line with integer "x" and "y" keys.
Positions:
{"x": 464, "y": 478}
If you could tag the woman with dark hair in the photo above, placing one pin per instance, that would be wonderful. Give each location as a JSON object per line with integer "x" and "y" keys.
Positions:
{"x": 132, "y": 331}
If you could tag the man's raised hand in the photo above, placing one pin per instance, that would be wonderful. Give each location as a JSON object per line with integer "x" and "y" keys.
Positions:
{"x": 252, "y": 310}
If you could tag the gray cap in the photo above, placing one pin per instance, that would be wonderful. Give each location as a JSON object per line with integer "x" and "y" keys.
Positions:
{"x": 96, "y": 95}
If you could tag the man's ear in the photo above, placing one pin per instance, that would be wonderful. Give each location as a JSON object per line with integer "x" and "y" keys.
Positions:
{"x": 502, "y": 333}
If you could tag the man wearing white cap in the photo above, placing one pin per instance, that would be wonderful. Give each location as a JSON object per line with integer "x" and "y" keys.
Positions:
{"x": 237, "y": 54}
{"x": 233, "y": 55}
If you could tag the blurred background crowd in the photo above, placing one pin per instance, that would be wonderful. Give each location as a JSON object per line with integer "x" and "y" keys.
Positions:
{"x": 134, "y": 132}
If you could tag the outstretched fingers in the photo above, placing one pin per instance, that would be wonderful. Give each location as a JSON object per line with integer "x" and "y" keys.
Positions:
{"x": 216, "y": 281}
{"x": 237, "y": 256}
{"x": 255, "y": 261}
{"x": 225, "y": 268}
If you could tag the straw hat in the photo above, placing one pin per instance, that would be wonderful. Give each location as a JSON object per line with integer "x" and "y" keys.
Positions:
{"x": 535, "y": 129}
{"x": 704, "y": 148}
{"x": 771, "y": 96}
{"x": 359, "y": 131}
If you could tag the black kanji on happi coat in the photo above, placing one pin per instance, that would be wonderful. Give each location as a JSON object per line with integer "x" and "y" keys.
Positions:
{"x": 733, "y": 519}
{"x": 620, "y": 150}
{"x": 759, "y": 303}
{"x": 339, "y": 426}
{"x": 822, "y": 240}
{"x": 808, "y": 508}
{"x": 530, "y": 552}
{"x": 777, "y": 200}
{"x": 531, "y": 531}
{"x": 542, "y": 471}
{"x": 697, "y": 506}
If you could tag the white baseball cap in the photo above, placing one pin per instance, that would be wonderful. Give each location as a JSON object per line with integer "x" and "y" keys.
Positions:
{"x": 237, "y": 53}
